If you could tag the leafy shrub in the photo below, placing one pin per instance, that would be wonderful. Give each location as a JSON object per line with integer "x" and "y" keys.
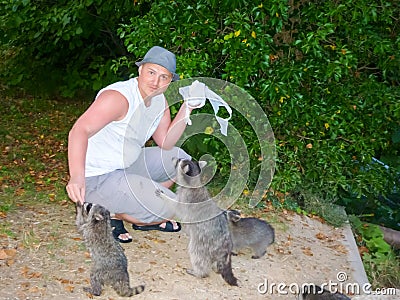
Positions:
{"x": 380, "y": 261}
{"x": 326, "y": 75}
{"x": 61, "y": 46}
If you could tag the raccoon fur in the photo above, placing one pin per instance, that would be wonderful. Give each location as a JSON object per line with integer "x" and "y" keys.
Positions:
{"x": 210, "y": 243}
{"x": 249, "y": 233}
{"x": 314, "y": 292}
{"x": 109, "y": 263}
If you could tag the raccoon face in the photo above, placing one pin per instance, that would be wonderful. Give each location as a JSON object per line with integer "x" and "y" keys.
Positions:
{"x": 188, "y": 171}
{"x": 190, "y": 167}
{"x": 233, "y": 215}
{"x": 92, "y": 211}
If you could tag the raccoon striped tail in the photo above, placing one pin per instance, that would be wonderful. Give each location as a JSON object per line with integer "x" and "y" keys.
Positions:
{"x": 225, "y": 269}
{"x": 138, "y": 289}
{"x": 130, "y": 291}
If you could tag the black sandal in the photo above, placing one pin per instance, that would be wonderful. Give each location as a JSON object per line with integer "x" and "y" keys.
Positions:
{"x": 169, "y": 227}
{"x": 118, "y": 229}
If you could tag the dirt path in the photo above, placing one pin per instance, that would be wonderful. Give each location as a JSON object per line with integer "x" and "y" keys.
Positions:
{"x": 47, "y": 260}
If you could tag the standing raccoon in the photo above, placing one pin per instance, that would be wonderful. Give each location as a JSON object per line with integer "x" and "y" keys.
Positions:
{"x": 250, "y": 233}
{"x": 109, "y": 263}
{"x": 210, "y": 243}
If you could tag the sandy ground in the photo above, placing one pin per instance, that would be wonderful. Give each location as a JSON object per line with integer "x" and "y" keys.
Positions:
{"x": 46, "y": 259}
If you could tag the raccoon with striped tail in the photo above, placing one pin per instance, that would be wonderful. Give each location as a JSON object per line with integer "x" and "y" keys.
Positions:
{"x": 210, "y": 243}
{"x": 109, "y": 263}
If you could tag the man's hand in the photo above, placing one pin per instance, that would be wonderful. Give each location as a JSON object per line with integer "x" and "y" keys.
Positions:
{"x": 76, "y": 190}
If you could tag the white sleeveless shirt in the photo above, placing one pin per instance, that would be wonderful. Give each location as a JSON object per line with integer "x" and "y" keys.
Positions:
{"x": 119, "y": 143}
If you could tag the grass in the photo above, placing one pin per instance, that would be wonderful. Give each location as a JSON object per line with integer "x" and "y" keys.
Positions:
{"x": 383, "y": 271}
{"x": 381, "y": 263}
{"x": 34, "y": 134}
{"x": 6, "y": 229}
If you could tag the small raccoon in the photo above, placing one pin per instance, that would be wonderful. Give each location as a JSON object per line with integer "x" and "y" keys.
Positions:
{"x": 314, "y": 292}
{"x": 250, "y": 233}
{"x": 210, "y": 243}
{"x": 109, "y": 263}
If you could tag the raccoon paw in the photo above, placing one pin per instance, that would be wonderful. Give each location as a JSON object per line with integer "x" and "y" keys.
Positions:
{"x": 91, "y": 291}
{"x": 196, "y": 273}
{"x": 258, "y": 255}
{"x": 159, "y": 192}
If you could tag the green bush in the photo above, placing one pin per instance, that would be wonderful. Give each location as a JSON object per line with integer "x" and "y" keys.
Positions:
{"x": 326, "y": 75}
{"x": 53, "y": 47}
{"x": 379, "y": 259}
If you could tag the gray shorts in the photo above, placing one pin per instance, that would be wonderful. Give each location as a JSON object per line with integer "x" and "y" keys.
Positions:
{"x": 132, "y": 190}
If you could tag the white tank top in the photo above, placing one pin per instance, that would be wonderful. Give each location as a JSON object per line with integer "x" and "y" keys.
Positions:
{"x": 119, "y": 143}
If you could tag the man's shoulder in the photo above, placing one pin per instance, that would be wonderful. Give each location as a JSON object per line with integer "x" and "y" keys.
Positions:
{"x": 127, "y": 88}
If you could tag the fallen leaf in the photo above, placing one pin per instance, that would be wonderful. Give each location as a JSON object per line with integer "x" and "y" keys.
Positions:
{"x": 24, "y": 271}
{"x": 287, "y": 244}
{"x": 10, "y": 252}
{"x": 3, "y": 255}
{"x": 341, "y": 249}
{"x": 307, "y": 251}
{"x": 362, "y": 250}
{"x": 35, "y": 275}
{"x": 159, "y": 241}
{"x": 69, "y": 288}
{"x": 65, "y": 281}
{"x": 321, "y": 236}
{"x": 144, "y": 246}
{"x": 34, "y": 289}
{"x": 10, "y": 262}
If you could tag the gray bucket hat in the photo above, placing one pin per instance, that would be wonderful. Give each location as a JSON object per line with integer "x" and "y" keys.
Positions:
{"x": 163, "y": 57}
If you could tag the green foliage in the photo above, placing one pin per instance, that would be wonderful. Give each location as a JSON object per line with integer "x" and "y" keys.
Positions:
{"x": 326, "y": 75}
{"x": 380, "y": 261}
{"x": 60, "y": 46}
{"x": 372, "y": 237}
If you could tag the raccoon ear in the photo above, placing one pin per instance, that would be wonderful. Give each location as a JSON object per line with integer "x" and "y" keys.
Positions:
{"x": 202, "y": 164}
{"x": 186, "y": 169}
{"x": 98, "y": 217}
{"x": 234, "y": 215}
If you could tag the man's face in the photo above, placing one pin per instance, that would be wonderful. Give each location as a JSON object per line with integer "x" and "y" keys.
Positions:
{"x": 153, "y": 79}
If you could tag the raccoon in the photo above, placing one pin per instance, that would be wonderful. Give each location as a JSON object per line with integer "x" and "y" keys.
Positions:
{"x": 109, "y": 263}
{"x": 210, "y": 243}
{"x": 314, "y": 292}
{"x": 250, "y": 233}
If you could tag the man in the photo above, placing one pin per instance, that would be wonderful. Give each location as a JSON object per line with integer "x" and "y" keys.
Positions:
{"x": 108, "y": 162}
